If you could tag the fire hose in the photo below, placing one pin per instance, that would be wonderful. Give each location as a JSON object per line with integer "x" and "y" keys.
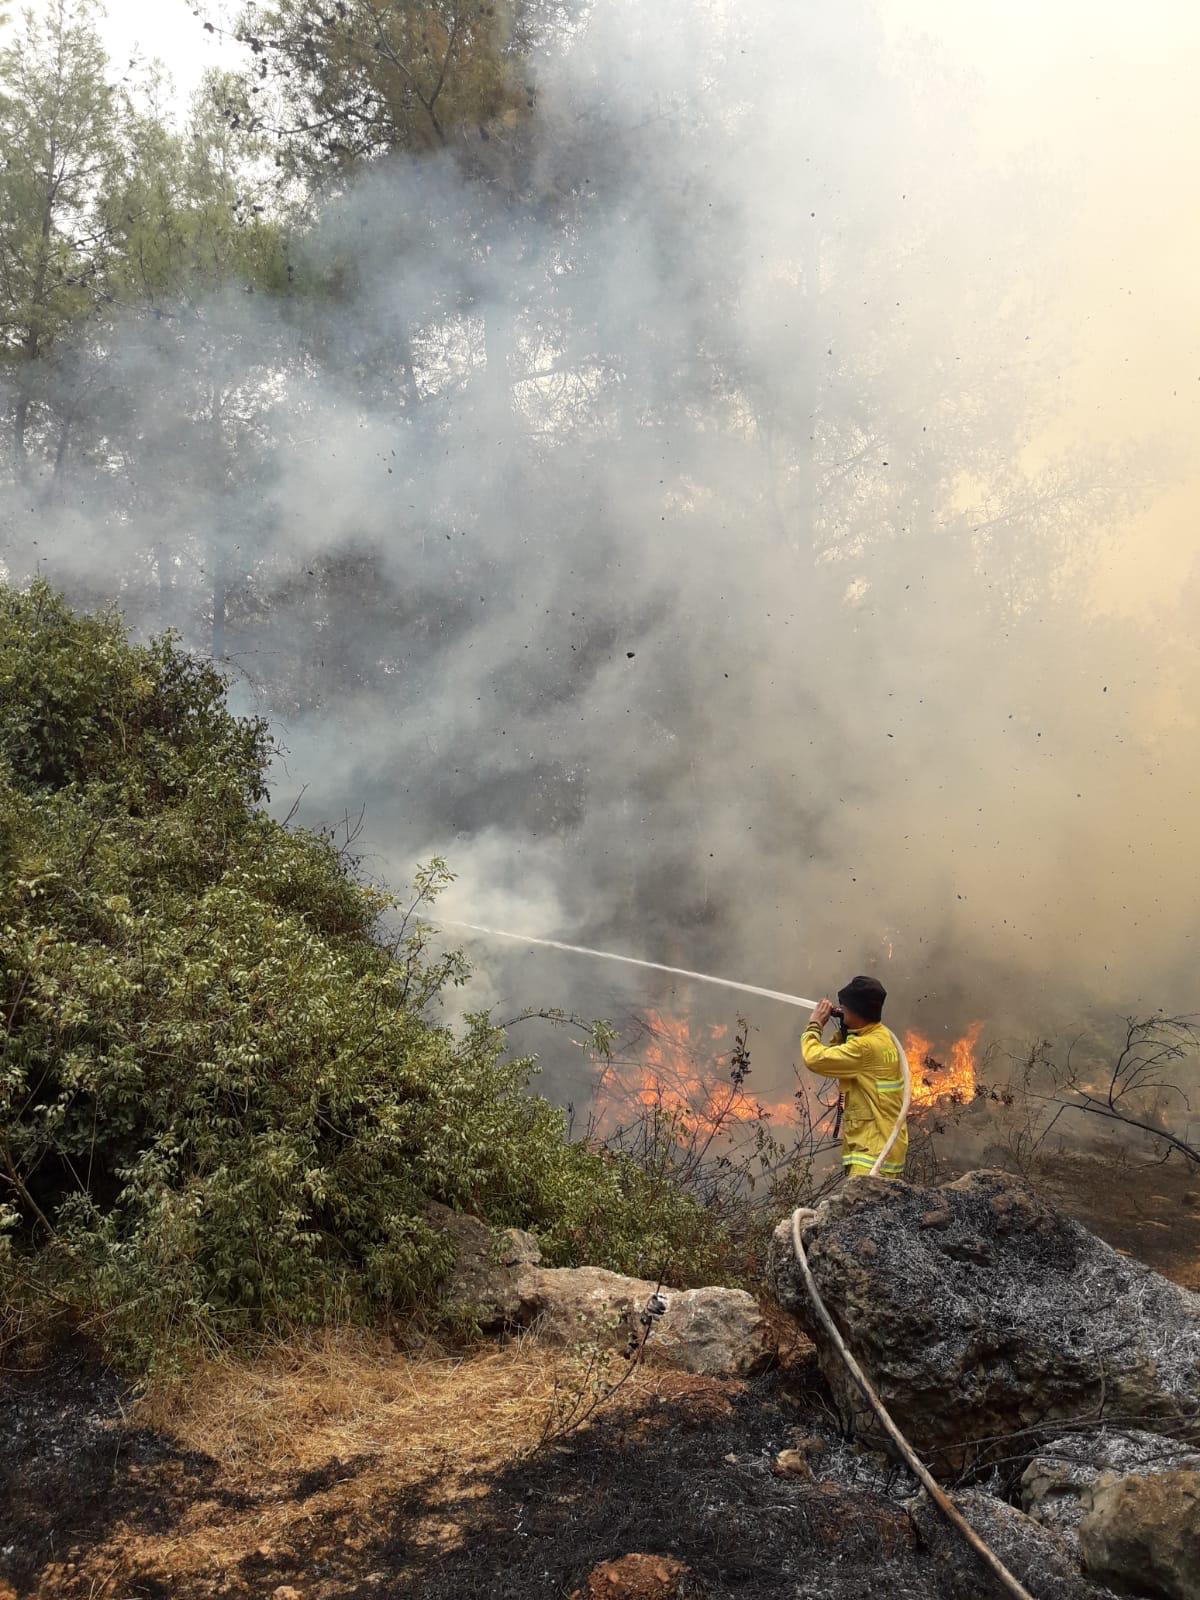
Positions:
{"x": 803, "y": 1214}
{"x": 914, "y": 1463}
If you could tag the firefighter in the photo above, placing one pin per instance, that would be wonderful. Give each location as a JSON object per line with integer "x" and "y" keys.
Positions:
{"x": 865, "y": 1062}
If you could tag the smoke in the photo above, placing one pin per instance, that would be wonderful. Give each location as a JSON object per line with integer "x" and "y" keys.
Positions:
{"x": 680, "y": 521}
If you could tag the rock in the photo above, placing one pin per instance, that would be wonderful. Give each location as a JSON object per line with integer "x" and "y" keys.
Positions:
{"x": 810, "y": 1445}
{"x": 714, "y": 1332}
{"x": 939, "y": 1218}
{"x": 1012, "y": 1316}
{"x": 566, "y": 1304}
{"x": 1142, "y": 1534}
{"x": 634, "y": 1577}
{"x": 286, "y": 1592}
{"x": 1042, "y": 1561}
{"x": 1191, "y": 1197}
{"x": 490, "y": 1266}
{"x": 718, "y": 1333}
{"x": 1056, "y": 1485}
{"x": 791, "y": 1464}
{"x": 498, "y": 1279}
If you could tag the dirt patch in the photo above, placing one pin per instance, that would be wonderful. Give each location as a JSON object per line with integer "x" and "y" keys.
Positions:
{"x": 71, "y": 1467}
{"x": 1150, "y": 1210}
{"x": 635, "y": 1577}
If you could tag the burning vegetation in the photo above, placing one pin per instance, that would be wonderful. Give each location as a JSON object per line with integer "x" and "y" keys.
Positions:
{"x": 685, "y": 1070}
{"x": 681, "y": 1068}
{"x": 935, "y": 1079}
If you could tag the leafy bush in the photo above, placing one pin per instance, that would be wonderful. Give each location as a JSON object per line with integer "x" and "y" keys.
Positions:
{"x": 224, "y": 1102}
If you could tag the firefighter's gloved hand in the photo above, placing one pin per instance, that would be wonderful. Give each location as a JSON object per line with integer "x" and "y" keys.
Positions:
{"x": 822, "y": 1012}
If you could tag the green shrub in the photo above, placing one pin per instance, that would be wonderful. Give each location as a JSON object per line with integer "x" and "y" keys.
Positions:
{"x": 225, "y": 1101}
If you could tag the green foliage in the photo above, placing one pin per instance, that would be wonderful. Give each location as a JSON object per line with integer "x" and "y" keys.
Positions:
{"x": 188, "y": 217}
{"x": 58, "y": 149}
{"x": 224, "y": 1104}
{"x": 372, "y": 77}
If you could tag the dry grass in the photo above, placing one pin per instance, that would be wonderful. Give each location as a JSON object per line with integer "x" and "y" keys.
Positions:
{"x": 395, "y": 1419}
{"x": 351, "y": 1393}
{"x": 428, "y": 1419}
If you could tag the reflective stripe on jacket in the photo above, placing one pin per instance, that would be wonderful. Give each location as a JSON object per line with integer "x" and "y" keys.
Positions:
{"x": 866, "y": 1065}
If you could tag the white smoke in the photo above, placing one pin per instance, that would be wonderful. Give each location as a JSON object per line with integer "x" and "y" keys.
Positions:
{"x": 720, "y": 583}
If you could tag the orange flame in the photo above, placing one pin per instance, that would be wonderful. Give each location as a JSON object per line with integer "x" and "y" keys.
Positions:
{"x": 684, "y": 1072}
{"x": 933, "y": 1079}
{"x": 681, "y": 1072}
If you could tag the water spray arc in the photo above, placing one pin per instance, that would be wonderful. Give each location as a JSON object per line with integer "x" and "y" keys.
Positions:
{"x": 629, "y": 961}
{"x": 697, "y": 977}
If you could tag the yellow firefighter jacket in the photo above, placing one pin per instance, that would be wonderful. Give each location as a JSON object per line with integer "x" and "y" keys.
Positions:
{"x": 867, "y": 1066}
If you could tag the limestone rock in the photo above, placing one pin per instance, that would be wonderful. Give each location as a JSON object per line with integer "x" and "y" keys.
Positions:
{"x": 715, "y": 1332}
{"x": 1056, "y": 1485}
{"x": 490, "y": 1265}
{"x": 498, "y": 1277}
{"x": 718, "y": 1333}
{"x": 1142, "y": 1534}
{"x": 1010, "y": 1316}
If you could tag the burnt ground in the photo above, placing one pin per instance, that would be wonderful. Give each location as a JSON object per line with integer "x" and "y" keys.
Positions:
{"x": 357, "y": 1472}
{"x": 70, "y": 1467}
{"x": 1147, "y": 1209}
{"x": 98, "y": 1509}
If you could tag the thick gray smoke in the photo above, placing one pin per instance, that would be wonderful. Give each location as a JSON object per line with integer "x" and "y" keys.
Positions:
{"x": 670, "y": 524}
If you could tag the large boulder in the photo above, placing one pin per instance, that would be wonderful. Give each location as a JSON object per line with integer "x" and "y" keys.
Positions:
{"x": 1142, "y": 1534}
{"x": 490, "y": 1267}
{"x": 982, "y": 1313}
{"x": 1045, "y": 1563}
{"x": 1057, "y": 1484}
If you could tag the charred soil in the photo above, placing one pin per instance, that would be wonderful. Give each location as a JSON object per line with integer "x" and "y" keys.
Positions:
{"x": 346, "y": 1466}
{"x": 678, "y": 1466}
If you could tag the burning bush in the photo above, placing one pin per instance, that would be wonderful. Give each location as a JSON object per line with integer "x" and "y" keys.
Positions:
{"x": 223, "y": 1102}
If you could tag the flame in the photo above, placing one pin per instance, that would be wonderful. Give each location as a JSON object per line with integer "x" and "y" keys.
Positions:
{"x": 933, "y": 1079}
{"x": 681, "y": 1071}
